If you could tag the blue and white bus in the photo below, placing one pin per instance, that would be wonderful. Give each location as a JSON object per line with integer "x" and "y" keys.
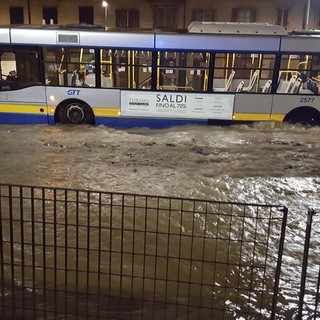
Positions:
{"x": 139, "y": 78}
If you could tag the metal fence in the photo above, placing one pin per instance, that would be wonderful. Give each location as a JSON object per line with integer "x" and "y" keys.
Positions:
{"x": 73, "y": 254}
{"x": 309, "y": 299}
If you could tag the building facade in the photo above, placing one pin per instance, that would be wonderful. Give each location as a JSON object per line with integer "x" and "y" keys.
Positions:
{"x": 167, "y": 14}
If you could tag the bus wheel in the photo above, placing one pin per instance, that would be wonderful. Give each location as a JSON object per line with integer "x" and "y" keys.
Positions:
{"x": 305, "y": 116}
{"x": 75, "y": 112}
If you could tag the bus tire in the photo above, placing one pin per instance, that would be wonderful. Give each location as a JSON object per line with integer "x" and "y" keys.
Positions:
{"x": 304, "y": 115}
{"x": 75, "y": 112}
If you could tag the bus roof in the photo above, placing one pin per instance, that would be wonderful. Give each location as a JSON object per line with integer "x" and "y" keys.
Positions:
{"x": 220, "y": 37}
{"x": 217, "y": 42}
{"x": 81, "y": 35}
{"x": 236, "y": 28}
{"x": 74, "y": 36}
{"x": 4, "y": 35}
{"x": 309, "y": 32}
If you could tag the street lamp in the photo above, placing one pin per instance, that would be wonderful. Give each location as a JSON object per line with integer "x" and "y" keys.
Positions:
{"x": 105, "y": 5}
{"x": 305, "y": 21}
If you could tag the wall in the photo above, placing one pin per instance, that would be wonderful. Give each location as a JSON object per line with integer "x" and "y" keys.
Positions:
{"x": 68, "y": 10}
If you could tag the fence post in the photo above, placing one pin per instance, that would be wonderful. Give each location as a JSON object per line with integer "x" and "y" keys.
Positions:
{"x": 311, "y": 212}
{"x": 278, "y": 269}
{"x": 317, "y": 297}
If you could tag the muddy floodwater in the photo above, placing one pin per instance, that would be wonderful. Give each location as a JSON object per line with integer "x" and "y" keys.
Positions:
{"x": 265, "y": 163}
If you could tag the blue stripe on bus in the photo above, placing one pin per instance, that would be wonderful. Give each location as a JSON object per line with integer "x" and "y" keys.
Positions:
{"x": 121, "y": 123}
{"x": 151, "y": 123}
{"x": 23, "y": 118}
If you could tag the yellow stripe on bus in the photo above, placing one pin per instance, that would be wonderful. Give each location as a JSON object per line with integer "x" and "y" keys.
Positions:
{"x": 22, "y": 108}
{"x": 115, "y": 112}
{"x": 104, "y": 112}
{"x": 277, "y": 117}
{"x": 257, "y": 117}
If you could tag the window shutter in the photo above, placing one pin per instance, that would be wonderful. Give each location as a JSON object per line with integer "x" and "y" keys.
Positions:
{"x": 285, "y": 18}
{"x": 121, "y": 18}
{"x": 194, "y": 15}
{"x": 253, "y": 15}
{"x": 86, "y": 15}
{"x": 16, "y": 15}
{"x": 134, "y": 18}
{"x": 234, "y": 15}
{"x": 279, "y": 15}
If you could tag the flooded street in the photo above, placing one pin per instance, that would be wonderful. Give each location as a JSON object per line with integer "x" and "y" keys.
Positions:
{"x": 263, "y": 163}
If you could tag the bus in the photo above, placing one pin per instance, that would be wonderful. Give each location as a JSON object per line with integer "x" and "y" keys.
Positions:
{"x": 211, "y": 72}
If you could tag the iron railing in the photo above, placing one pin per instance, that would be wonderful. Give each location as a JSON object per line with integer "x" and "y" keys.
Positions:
{"x": 74, "y": 254}
{"x": 309, "y": 298}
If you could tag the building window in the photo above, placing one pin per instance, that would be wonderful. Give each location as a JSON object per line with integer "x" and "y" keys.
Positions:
{"x": 202, "y": 14}
{"x": 16, "y": 15}
{"x": 50, "y": 15}
{"x": 282, "y": 17}
{"x": 127, "y": 18}
{"x": 86, "y": 15}
{"x": 243, "y": 15}
{"x": 165, "y": 17}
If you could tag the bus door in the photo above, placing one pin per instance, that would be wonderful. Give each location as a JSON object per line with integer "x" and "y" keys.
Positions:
{"x": 255, "y": 100}
{"x": 22, "y": 94}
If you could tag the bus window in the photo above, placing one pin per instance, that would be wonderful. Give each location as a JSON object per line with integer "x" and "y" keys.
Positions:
{"x": 239, "y": 72}
{"x": 266, "y": 72}
{"x": 224, "y": 72}
{"x": 53, "y": 65}
{"x": 106, "y": 68}
{"x": 19, "y": 69}
{"x": 299, "y": 74}
{"x": 114, "y": 68}
{"x": 70, "y": 66}
{"x": 186, "y": 71}
{"x": 289, "y": 73}
{"x": 126, "y": 68}
{"x": 120, "y": 68}
{"x": 142, "y": 69}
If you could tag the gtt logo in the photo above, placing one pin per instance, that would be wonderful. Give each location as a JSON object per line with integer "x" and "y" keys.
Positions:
{"x": 73, "y": 92}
